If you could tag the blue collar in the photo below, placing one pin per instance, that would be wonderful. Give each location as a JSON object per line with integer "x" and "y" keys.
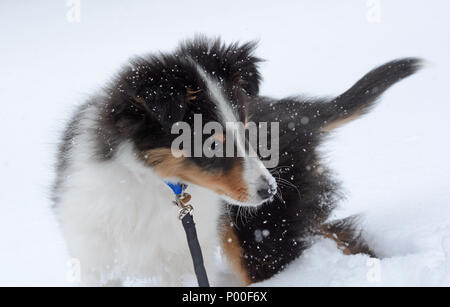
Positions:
{"x": 177, "y": 188}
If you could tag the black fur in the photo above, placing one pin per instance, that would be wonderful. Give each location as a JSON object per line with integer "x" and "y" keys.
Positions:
{"x": 151, "y": 95}
{"x": 308, "y": 193}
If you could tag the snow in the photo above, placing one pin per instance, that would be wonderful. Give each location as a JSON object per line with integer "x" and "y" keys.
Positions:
{"x": 393, "y": 162}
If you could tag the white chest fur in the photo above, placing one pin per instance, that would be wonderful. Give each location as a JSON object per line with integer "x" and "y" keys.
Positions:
{"x": 119, "y": 221}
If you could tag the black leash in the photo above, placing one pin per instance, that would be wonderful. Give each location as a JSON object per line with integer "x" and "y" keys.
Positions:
{"x": 185, "y": 215}
{"x": 196, "y": 252}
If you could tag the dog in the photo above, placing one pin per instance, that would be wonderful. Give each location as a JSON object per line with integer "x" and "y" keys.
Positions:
{"x": 115, "y": 209}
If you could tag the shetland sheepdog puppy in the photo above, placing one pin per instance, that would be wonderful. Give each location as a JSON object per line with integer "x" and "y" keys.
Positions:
{"x": 116, "y": 211}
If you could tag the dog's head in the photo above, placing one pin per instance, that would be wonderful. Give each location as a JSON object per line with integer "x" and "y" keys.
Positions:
{"x": 157, "y": 93}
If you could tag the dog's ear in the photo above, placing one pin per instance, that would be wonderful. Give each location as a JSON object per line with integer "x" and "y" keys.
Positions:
{"x": 234, "y": 63}
{"x": 243, "y": 67}
{"x": 157, "y": 90}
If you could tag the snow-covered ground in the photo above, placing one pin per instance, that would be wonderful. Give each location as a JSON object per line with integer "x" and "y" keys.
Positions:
{"x": 394, "y": 163}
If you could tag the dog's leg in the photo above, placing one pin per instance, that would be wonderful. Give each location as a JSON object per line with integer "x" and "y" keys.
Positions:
{"x": 233, "y": 251}
{"x": 347, "y": 236}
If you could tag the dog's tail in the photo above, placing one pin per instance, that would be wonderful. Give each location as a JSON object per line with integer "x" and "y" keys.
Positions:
{"x": 361, "y": 97}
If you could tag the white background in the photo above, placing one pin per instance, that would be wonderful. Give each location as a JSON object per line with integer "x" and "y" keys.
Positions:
{"x": 394, "y": 163}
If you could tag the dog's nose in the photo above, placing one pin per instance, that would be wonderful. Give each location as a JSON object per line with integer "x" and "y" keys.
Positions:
{"x": 267, "y": 190}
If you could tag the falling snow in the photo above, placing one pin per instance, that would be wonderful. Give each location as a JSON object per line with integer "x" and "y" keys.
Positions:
{"x": 393, "y": 163}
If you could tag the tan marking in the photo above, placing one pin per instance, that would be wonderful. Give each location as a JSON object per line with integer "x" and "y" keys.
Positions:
{"x": 167, "y": 165}
{"x": 190, "y": 94}
{"x": 343, "y": 246}
{"x": 247, "y": 119}
{"x": 139, "y": 103}
{"x": 233, "y": 252}
{"x": 346, "y": 241}
{"x": 220, "y": 137}
{"x": 238, "y": 79}
{"x": 140, "y": 100}
{"x": 340, "y": 122}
